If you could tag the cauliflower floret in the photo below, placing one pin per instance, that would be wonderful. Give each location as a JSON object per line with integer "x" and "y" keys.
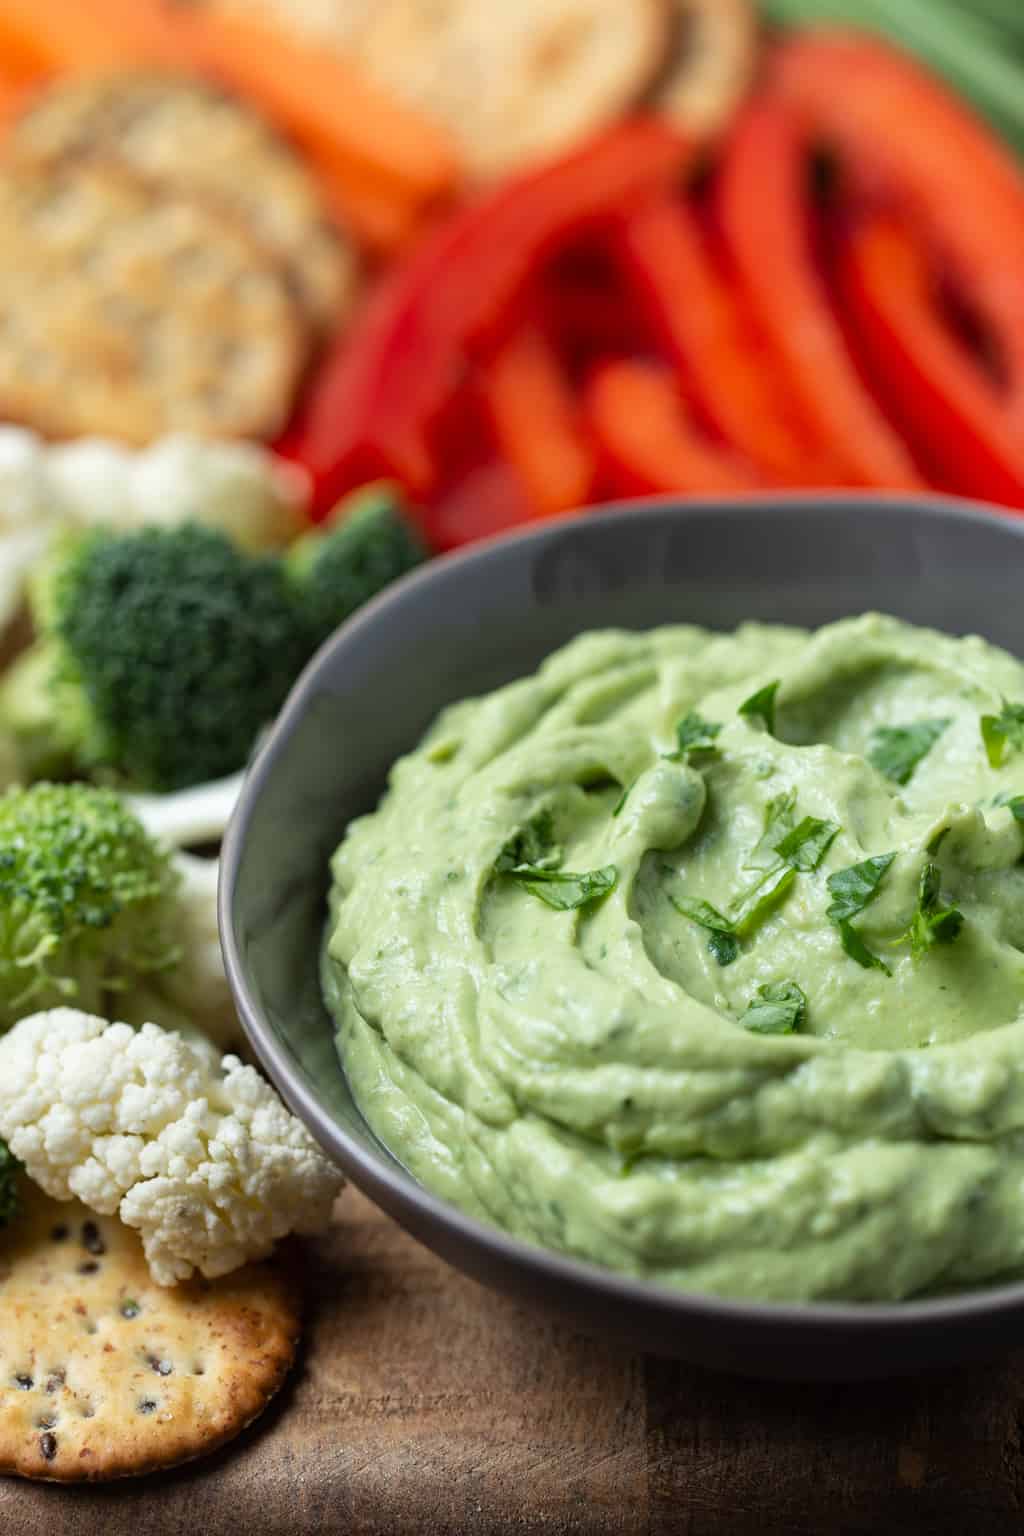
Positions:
{"x": 30, "y": 510}
{"x": 258, "y": 500}
{"x": 200, "y": 1156}
{"x": 240, "y": 488}
{"x": 94, "y": 479}
{"x": 27, "y": 495}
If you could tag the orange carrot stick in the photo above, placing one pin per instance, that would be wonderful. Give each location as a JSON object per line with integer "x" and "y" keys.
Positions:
{"x": 536, "y": 424}
{"x": 325, "y": 102}
{"x": 383, "y": 218}
{"x": 75, "y": 36}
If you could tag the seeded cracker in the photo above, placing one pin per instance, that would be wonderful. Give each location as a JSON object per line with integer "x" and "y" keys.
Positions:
{"x": 105, "y": 1374}
{"x": 195, "y": 138}
{"x": 513, "y": 80}
{"x": 129, "y": 311}
{"x": 710, "y": 66}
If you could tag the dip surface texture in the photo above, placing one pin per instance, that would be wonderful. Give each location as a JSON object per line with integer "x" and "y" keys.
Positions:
{"x": 739, "y": 1070}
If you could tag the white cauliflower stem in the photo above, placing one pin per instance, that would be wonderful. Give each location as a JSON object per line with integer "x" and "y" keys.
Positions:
{"x": 202, "y": 1158}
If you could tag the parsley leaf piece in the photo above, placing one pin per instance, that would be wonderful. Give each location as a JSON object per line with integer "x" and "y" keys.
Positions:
{"x": 776, "y": 1009}
{"x": 696, "y": 735}
{"x": 1003, "y": 731}
{"x": 567, "y": 892}
{"x": 620, "y": 802}
{"x": 778, "y": 820}
{"x": 896, "y": 750}
{"x": 761, "y": 706}
{"x": 804, "y": 846}
{"x": 751, "y": 910}
{"x": 722, "y": 943}
{"x": 1015, "y": 805}
{"x": 532, "y": 847}
{"x": 858, "y": 950}
{"x": 724, "y": 946}
{"x": 853, "y": 888}
{"x": 932, "y": 923}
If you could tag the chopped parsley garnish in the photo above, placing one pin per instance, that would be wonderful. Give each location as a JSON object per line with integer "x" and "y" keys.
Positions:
{"x": 749, "y": 911}
{"x": 532, "y": 847}
{"x": 783, "y": 852}
{"x": 852, "y": 890}
{"x": 696, "y": 736}
{"x": 858, "y": 950}
{"x": 534, "y": 859}
{"x": 565, "y": 891}
{"x": 805, "y": 845}
{"x": 1015, "y": 805}
{"x": 752, "y": 908}
{"x": 761, "y": 706}
{"x": 722, "y": 942}
{"x": 896, "y": 750}
{"x": 620, "y": 802}
{"x": 776, "y": 1009}
{"x": 1003, "y": 732}
{"x": 932, "y": 923}
{"x": 779, "y": 815}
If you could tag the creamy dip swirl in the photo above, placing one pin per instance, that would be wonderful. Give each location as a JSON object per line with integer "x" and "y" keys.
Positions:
{"x": 585, "y": 1079}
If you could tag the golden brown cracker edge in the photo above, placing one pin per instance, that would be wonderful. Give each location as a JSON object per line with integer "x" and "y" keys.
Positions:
{"x": 129, "y": 310}
{"x": 514, "y": 83}
{"x": 105, "y": 1374}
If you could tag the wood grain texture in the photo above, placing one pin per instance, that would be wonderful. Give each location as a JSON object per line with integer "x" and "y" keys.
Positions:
{"x": 424, "y": 1404}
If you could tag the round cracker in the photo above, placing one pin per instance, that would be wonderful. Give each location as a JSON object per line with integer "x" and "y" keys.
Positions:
{"x": 195, "y": 138}
{"x": 711, "y": 64}
{"x": 130, "y": 311}
{"x": 104, "y": 1373}
{"x": 515, "y": 82}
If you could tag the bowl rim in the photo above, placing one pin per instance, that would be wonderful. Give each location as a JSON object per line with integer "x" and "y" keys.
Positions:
{"x": 371, "y": 1168}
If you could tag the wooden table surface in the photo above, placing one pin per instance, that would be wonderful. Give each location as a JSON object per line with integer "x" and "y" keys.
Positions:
{"x": 425, "y": 1404}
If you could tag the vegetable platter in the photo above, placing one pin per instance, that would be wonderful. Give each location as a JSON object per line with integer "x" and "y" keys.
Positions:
{"x": 292, "y": 297}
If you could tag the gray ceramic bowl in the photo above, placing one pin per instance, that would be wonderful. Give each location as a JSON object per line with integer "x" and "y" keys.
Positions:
{"x": 468, "y": 623}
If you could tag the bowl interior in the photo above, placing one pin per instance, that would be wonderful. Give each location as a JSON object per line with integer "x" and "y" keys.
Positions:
{"x": 470, "y": 623}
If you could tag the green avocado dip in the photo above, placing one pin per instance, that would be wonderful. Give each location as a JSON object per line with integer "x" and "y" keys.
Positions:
{"x": 702, "y": 956}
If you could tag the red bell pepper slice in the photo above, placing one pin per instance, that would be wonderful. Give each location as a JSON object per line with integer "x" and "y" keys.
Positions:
{"x": 764, "y": 217}
{"x": 386, "y": 383}
{"x": 900, "y": 131}
{"x": 700, "y": 320}
{"x": 535, "y": 419}
{"x": 647, "y": 440}
{"x": 950, "y": 404}
{"x": 589, "y": 321}
{"x": 489, "y": 499}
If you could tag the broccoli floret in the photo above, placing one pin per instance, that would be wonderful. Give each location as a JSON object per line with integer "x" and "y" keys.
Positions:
{"x": 368, "y": 542}
{"x": 88, "y": 900}
{"x": 9, "y": 1168}
{"x": 46, "y": 718}
{"x": 160, "y": 653}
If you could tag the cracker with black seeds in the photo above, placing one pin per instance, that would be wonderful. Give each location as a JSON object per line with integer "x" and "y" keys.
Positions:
{"x": 104, "y": 1373}
{"x": 130, "y": 311}
{"x": 514, "y": 82}
{"x": 194, "y": 138}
